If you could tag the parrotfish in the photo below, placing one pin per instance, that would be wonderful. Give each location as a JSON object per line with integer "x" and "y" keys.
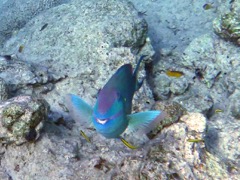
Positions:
{"x": 111, "y": 115}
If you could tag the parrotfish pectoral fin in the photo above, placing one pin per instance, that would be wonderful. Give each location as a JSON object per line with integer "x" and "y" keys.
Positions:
{"x": 144, "y": 121}
{"x": 79, "y": 110}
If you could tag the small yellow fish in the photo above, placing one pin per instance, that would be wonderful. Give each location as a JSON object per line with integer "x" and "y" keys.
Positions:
{"x": 207, "y": 6}
{"x": 195, "y": 140}
{"x": 85, "y": 136}
{"x": 218, "y": 110}
{"x": 176, "y": 74}
{"x": 127, "y": 144}
{"x": 20, "y": 49}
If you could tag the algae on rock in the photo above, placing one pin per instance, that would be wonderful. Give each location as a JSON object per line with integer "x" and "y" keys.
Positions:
{"x": 228, "y": 27}
{"x": 21, "y": 119}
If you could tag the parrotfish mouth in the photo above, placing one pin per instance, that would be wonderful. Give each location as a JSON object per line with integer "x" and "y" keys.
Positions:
{"x": 101, "y": 121}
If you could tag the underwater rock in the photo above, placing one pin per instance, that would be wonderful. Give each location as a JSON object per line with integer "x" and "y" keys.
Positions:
{"x": 22, "y": 77}
{"x": 211, "y": 70}
{"x": 184, "y": 138}
{"x": 171, "y": 152}
{"x": 211, "y": 67}
{"x": 222, "y": 139}
{"x": 21, "y": 119}
{"x": 179, "y": 86}
{"x": 195, "y": 101}
{"x": 235, "y": 6}
{"x": 4, "y": 175}
{"x": 173, "y": 112}
{"x": 228, "y": 27}
{"x": 161, "y": 87}
{"x": 169, "y": 22}
{"x": 61, "y": 154}
{"x": 234, "y": 104}
{"x": 15, "y": 14}
{"x": 232, "y": 80}
{"x": 227, "y": 24}
{"x": 89, "y": 47}
{"x": 218, "y": 62}
{"x": 184, "y": 143}
{"x": 3, "y": 90}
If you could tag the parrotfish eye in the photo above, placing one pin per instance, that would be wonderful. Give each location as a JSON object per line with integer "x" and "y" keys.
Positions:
{"x": 101, "y": 121}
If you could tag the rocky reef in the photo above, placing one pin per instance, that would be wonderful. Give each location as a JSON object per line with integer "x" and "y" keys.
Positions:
{"x": 75, "y": 46}
{"x": 227, "y": 25}
{"x": 22, "y": 119}
{"x": 15, "y": 14}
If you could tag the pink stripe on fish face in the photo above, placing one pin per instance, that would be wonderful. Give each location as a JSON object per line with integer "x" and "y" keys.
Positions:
{"x": 115, "y": 116}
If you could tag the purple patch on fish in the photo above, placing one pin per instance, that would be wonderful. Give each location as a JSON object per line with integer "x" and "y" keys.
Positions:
{"x": 106, "y": 99}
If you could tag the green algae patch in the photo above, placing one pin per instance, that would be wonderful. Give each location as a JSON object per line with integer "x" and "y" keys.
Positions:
{"x": 227, "y": 27}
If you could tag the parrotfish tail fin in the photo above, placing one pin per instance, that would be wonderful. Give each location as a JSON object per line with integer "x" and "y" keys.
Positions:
{"x": 127, "y": 144}
{"x": 138, "y": 65}
{"x": 144, "y": 122}
{"x": 139, "y": 84}
{"x": 79, "y": 110}
{"x": 135, "y": 73}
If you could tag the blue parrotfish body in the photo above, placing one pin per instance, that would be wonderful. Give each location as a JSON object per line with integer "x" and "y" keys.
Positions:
{"x": 111, "y": 115}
